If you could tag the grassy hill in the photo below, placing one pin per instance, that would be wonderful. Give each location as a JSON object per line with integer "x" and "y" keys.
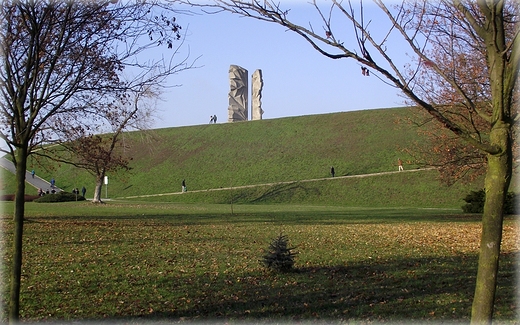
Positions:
{"x": 276, "y": 150}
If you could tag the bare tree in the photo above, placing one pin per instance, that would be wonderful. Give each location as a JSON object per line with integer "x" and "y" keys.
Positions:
{"x": 72, "y": 61}
{"x": 463, "y": 73}
{"x": 449, "y": 154}
{"x": 100, "y": 152}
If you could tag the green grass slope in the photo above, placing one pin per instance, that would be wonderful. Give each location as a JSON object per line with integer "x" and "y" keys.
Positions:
{"x": 271, "y": 151}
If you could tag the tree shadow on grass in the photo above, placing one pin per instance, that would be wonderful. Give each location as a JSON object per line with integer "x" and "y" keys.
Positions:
{"x": 283, "y": 193}
{"x": 354, "y": 216}
{"x": 410, "y": 289}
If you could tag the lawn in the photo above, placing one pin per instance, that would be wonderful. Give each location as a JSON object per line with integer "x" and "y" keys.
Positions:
{"x": 168, "y": 261}
{"x": 267, "y": 151}
{"x": 290, "y": 150}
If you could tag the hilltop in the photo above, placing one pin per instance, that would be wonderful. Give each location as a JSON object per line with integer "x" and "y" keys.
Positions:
{"x": 288, "y": 149}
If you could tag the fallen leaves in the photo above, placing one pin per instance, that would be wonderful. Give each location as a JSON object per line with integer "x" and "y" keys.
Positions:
{"x": 106, "y": 268}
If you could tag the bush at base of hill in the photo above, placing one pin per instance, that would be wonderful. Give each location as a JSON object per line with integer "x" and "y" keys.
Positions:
{"x": 10, "y": 197}
{"x": 475, "y": 202}
{"x": 60, "y": 197}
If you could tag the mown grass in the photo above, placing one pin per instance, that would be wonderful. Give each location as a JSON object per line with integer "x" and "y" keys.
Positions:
{"x": 415, "y": 189}
{"x": 149, "y": 261}
{"x": 255, "y": 152}
{"x": 369, "y": 251}
{"x": 272, "y": 151}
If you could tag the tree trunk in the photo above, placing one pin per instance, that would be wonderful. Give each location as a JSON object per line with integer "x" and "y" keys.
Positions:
{"x": 497, "y": 182}
{"x": 19, "y": 210}
{"x": 99, "y": 187}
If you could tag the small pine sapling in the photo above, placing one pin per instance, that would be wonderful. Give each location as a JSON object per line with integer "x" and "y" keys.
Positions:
{"x": 279, "y": 256}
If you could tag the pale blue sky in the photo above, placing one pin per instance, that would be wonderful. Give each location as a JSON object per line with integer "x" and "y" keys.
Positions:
{"x": 297, "y": 79}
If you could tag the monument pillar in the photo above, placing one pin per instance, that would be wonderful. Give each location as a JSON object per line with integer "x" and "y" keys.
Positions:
{"x": 238, "y": 94}
{"x": 256, "y": 95}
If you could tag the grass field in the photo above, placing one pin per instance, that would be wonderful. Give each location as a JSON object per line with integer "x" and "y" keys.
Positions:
{"x": 271, "y": 151}
{"x": 385, "y": 248}
{"x": 167, "y": 261}
{"x": 291, "y": 149}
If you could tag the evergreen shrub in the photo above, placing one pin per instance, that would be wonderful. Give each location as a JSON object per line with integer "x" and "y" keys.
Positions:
{"x": 279, "y": 256}
{"x": 475, "y": 202}
{"x": 511, "y": 204}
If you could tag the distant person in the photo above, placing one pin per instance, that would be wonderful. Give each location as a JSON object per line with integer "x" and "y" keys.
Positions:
{"x": 215, "y": 119}
{"x": 332, "y": 172}
{"x": 183, "y": 185}
{"x": 83, "y": 191}
{"x": 53, "y": 181}
{"x": 32, "y": 173}
{"x": 211, "y": 118}
{"x": 40, "y": 192}
{"x": 400, "y": 164}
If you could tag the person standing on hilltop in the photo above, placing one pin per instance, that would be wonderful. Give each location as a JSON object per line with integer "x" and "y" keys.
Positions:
{"x": 400, "y": 164}
{"x": 332, "y": 172}
{"x": 183, "y": 185}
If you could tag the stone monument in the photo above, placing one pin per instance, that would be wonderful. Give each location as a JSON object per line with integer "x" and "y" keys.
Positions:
{"x": 238, "y": 94}
{"x": 256, "y": 95}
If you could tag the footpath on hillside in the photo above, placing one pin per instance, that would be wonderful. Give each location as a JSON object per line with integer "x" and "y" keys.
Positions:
{"x": 278, "y": 183}
{"x": 38, "y": 182}
{"x": 35, "y": 181}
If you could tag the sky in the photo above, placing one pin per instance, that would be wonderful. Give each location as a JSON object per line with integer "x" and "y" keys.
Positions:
{"x": 297, "y": 79}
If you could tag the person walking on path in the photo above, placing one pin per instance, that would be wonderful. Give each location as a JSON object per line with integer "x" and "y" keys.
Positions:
{"x": 32, "y": 173}
{"x": 332, "y": 172}
{"x": 400, "y": 164}
{"x": 183, "y": 185}
{"x": 53, "y": 181}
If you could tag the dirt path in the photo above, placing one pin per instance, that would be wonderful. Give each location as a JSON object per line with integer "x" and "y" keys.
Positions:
{"x": 38, "y": 182}
{"x": 278, "y": 183}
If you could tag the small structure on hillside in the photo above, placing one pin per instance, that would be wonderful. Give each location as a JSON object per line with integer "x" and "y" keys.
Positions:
{"x": 238, "y": 94}
{"x": 257, "y": 84}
